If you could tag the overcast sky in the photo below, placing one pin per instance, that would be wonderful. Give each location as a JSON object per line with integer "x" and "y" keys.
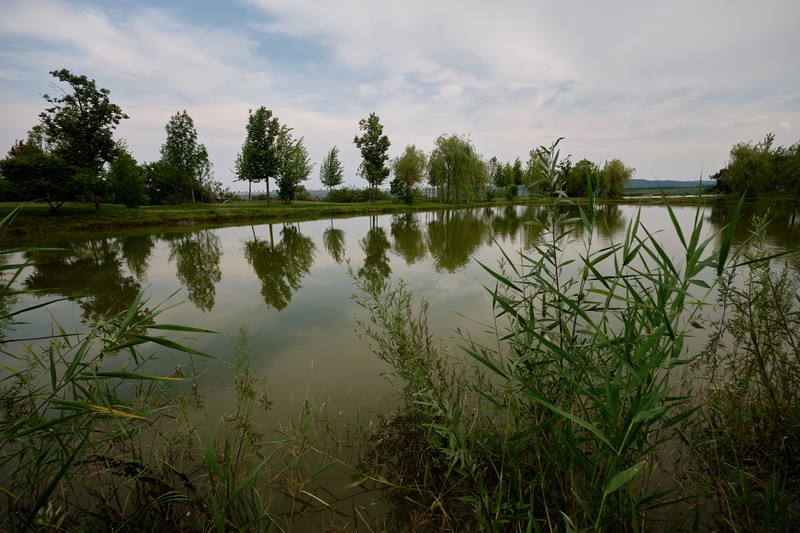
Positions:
{"x": 667, "y": 87}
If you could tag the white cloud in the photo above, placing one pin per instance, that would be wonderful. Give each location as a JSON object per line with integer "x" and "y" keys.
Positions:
{"x": 666, "y": 87}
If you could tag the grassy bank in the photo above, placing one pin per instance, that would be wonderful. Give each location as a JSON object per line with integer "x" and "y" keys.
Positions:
{"x": 35, "y": 222}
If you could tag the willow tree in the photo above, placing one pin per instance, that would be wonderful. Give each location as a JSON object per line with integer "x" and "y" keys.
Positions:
{"x": 615, "y": 176}
{"x": 456, "y": 169}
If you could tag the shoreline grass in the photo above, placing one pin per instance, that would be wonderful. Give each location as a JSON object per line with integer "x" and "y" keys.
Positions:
{"x": 35, "y": 221}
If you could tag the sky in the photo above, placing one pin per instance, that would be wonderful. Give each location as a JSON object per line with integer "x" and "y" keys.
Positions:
{"x": 667, "y": 87}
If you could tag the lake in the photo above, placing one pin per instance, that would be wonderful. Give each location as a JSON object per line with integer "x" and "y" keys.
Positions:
{"x": 291, "y": 286}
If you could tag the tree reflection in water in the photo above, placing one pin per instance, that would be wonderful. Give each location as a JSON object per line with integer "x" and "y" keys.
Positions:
{"x": 197, "y": 257}
{"x": 282, "y": 266}
{"x": 89, "y": 272}
{"x": 334, "y": 242}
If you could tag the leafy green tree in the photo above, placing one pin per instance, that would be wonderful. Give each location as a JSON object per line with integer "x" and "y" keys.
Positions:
{"x": 579, "y": 177}
{"x": 188, "y": 157}
{"x": 29, "y": 173}
{"x": 331, "y": 172}
{"x": 409, "y": 170}
{"x": 79, "y": 127}
{"x": 517, "y": 175}
{"x": 126, "y": 179}
{"x": 260, "y": 158}
{"x": 615, "y": 176}
{"x": 295, "y": 165}
{"x": 374, "y": 146}
{"x": 164, "y": 183}
{"x": 457, "y": 169}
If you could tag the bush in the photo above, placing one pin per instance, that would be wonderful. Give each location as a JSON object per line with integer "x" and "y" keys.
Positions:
{"x": 349, "y": 195}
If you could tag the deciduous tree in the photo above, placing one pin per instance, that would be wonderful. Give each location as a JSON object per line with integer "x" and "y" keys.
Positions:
{"x": 126, "y": 179}
{"x": 457, "y": 169}
{"x": 79, "y": 127}
{"x": 374, "y": 146}
{"x": 615, "y": 176}
{"x": 409, "y": 170}
{"x": 331, "y": 172}
{"x": 260, "y": 158}
{"x": 295, "y": 165}
{"x": 182, "y": 151}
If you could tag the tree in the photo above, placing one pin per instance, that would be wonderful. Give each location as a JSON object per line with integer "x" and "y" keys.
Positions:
{"x": 182, "y": 151}
{"x": 457, "y": 169}
{"x": 374, "y": 147}
{"x": 409, "y": 169}
{"x": 126, "y": 179}
{"x": 295, "y": 165}
{"x": 79, "y": 128}
{"x": 331, "y": 172}
{"x": 29, "y": 173}
{"x": 615, "y": 176}
{"x": 259, "y": 158}
{"x": 580, "y": 176}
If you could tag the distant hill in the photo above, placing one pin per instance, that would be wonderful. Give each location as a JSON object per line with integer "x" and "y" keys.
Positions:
{"x": 636, "y": 184}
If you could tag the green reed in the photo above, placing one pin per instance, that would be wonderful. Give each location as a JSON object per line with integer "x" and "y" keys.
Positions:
{"x": 560, "y": 424}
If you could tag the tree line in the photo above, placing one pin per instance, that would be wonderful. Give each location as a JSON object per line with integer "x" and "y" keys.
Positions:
{"x": 72, "y": 155}
{"x": 762, "y": 167}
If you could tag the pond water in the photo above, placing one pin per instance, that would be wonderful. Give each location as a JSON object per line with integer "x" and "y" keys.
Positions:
{"x": 290, "y": 285}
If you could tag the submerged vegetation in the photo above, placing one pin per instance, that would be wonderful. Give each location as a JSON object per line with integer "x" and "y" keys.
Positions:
{"x": 588, "y": 411}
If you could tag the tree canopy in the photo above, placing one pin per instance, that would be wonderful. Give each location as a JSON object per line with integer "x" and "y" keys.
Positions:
{"x": 756, "y": 168}
{"x": 185, "y": 155}
{"x": 409, "y": 170}
{"x": 294, "y": 165}
{"x": 78, "y": 129}
{"x": 456, "y": 169}
{"x": 615, "y": 176}
{"x": 260, "y": 158}
{"x": 374, "y": 146}
{"x": 331, "y": 172}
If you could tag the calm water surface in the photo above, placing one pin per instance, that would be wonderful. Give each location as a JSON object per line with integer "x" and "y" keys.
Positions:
{"x": 288, "y": 284}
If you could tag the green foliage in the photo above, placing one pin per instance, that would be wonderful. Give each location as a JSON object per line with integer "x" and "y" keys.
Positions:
{"x": 760, "y": 168}
{"x": 456, "y": 170}
{"x": 165, "y": 183}
{"x": 79, "y": 127}
{"x": 294, "y": 163}
{"x": 585, "y": 173}
{"x": 29, "y": 173}
{"x": 374, "y": 146}
{"x": 126, "y": 180}
{"x": 615, "y": 176}
{"x": 191, "y": 167}
{"x": 564, "y": 418}
{"x": 350, "y": 195}
{"x": 331, "y": 172}
{"x": 409, "y": 170}
{"x": 748, "y": 431}
{"x": 260, "y": 157}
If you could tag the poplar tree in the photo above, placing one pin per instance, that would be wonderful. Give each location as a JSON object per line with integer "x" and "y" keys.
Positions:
{"x": 374, "y": 146}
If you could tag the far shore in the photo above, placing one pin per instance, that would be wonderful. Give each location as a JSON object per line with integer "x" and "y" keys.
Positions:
{"x": 36, "y": 224}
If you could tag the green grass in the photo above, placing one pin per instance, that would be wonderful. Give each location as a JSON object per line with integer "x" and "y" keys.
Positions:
{"x": 36, "y": 221}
